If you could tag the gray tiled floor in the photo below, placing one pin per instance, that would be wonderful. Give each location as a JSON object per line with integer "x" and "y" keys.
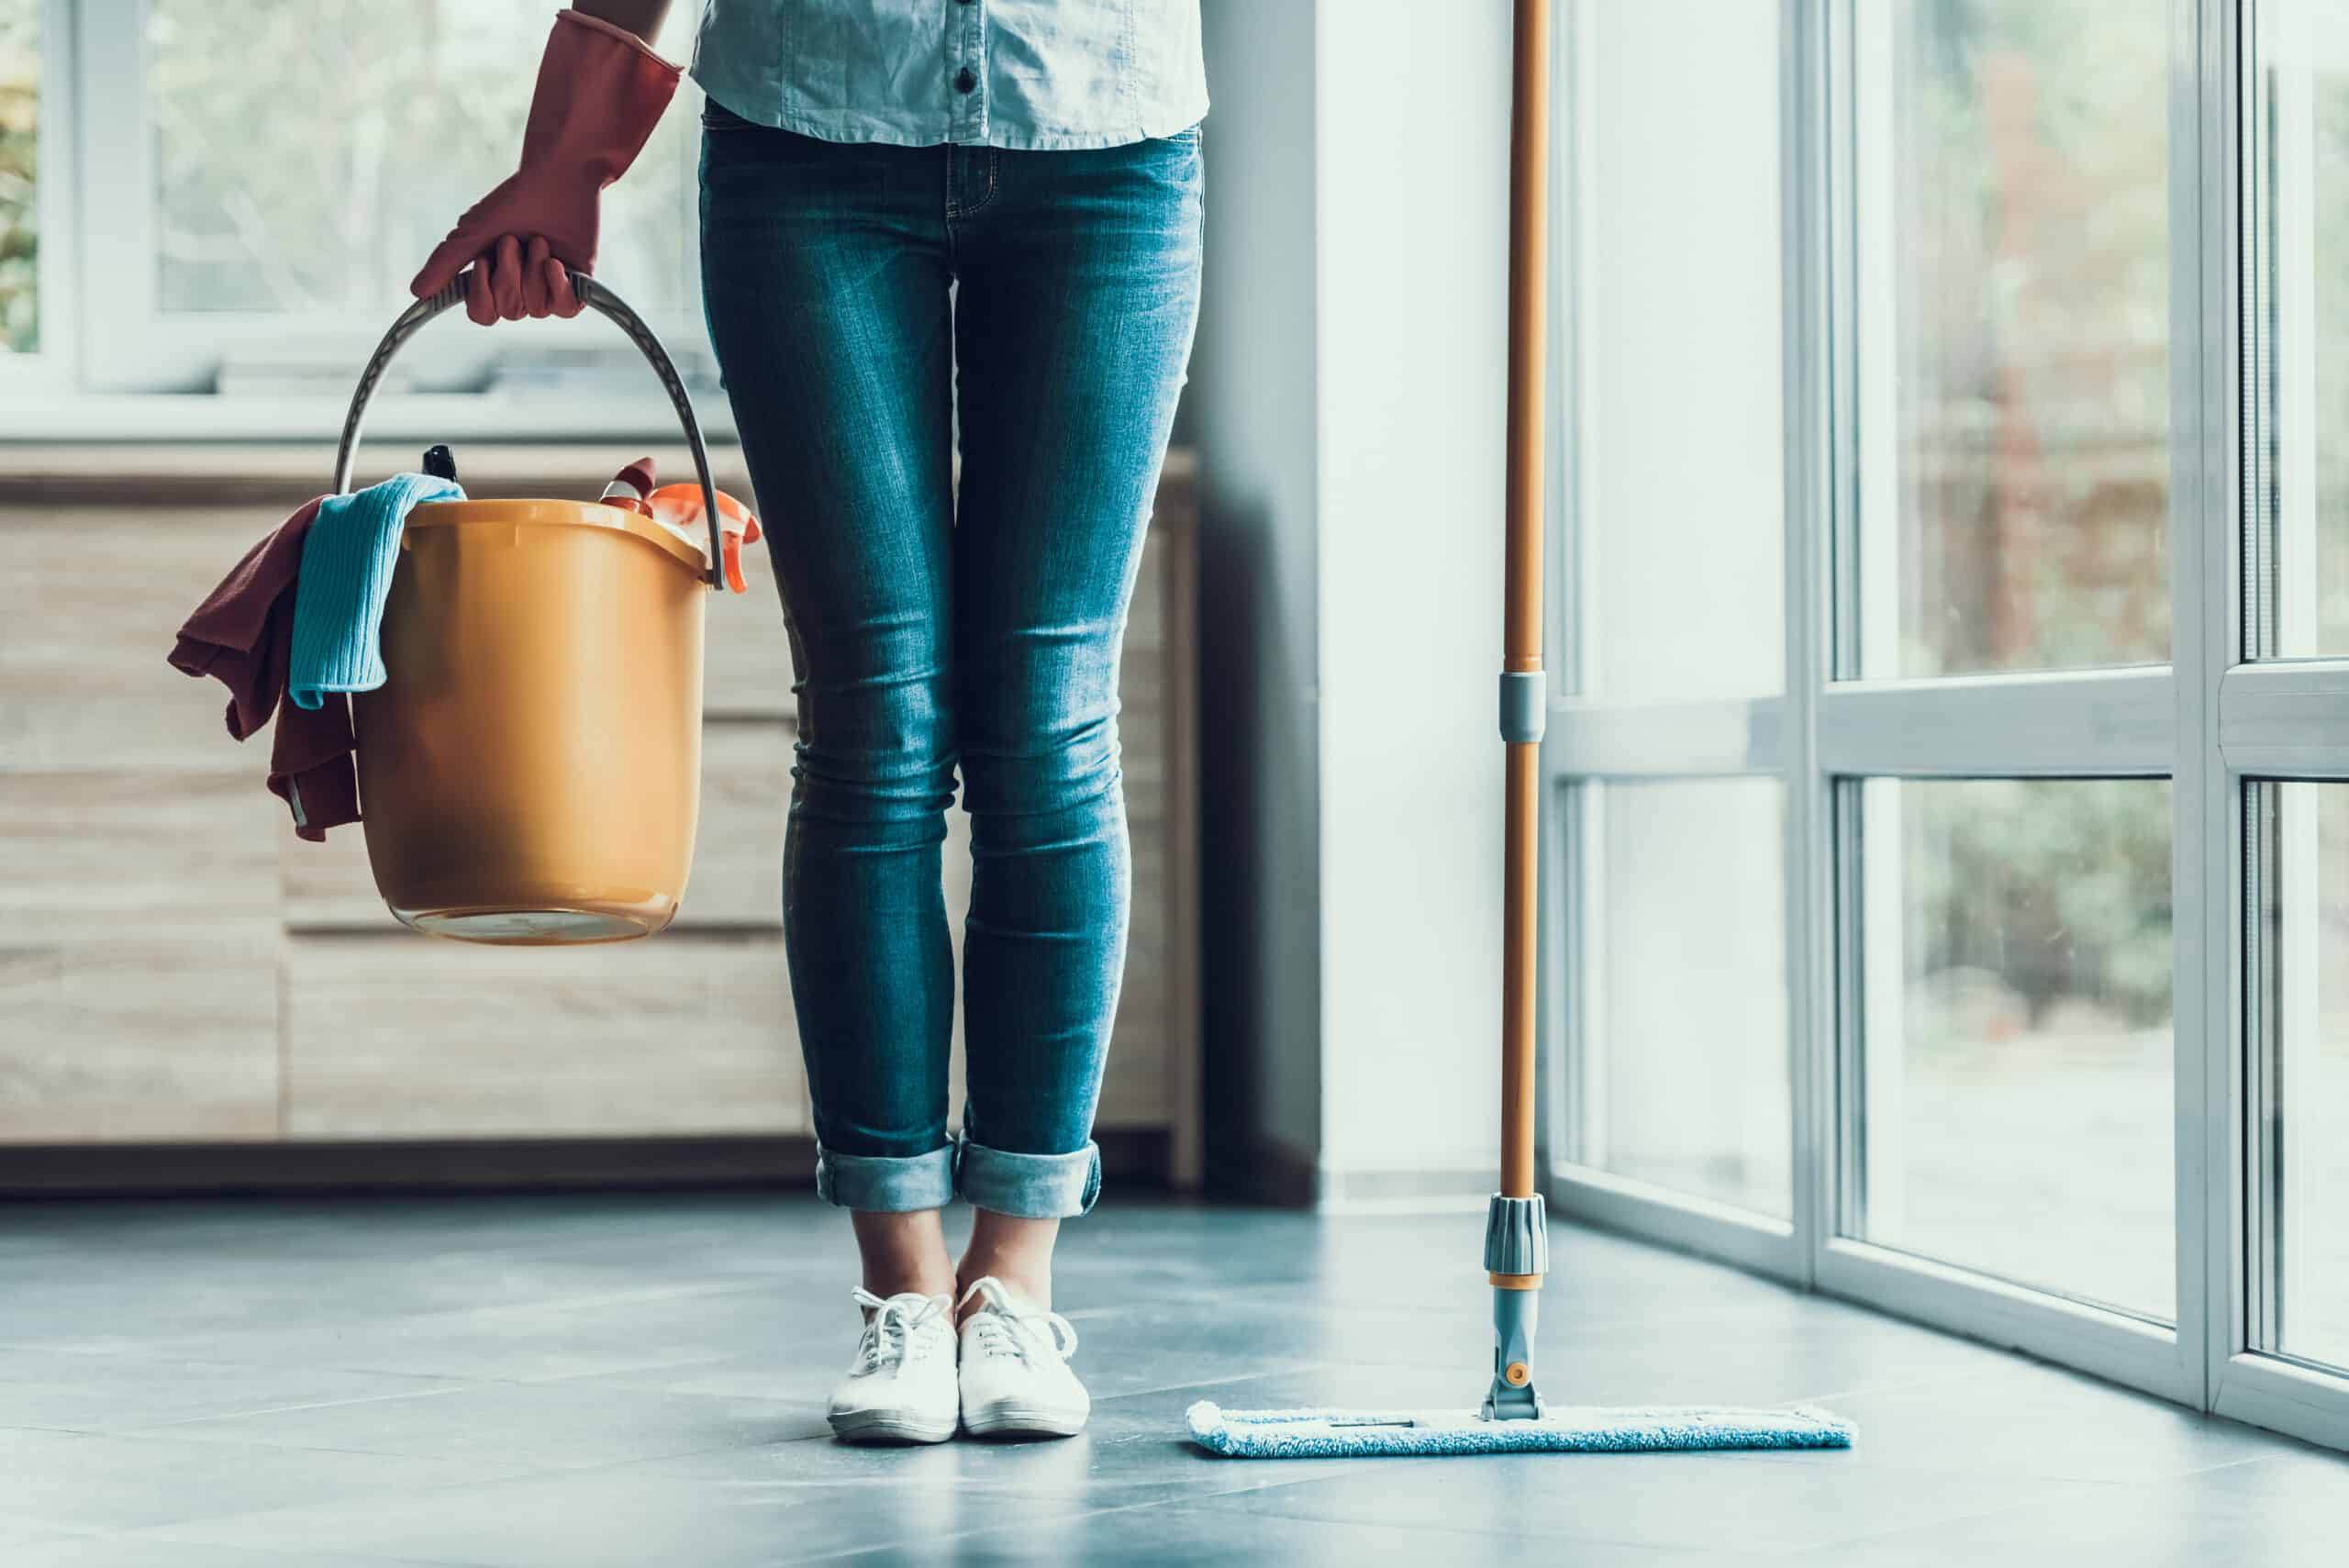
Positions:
{"x": 631, "y": 1380}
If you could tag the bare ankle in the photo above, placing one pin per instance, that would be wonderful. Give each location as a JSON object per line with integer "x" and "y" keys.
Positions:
{"x": 1016, "y": 1250}
{"x": 903, "y": 1252}
{"x": 917, "y": 1282}
{"x": 1033, "y": 1284}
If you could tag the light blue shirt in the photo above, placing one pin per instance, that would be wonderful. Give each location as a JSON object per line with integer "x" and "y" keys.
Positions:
{"x": 1026, "y": 74}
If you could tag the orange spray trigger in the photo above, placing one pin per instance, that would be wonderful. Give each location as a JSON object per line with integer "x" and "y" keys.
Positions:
{"x": 679, "y": 507}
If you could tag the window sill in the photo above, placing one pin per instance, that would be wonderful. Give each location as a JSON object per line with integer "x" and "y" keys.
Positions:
{"x": 454, "y": 418}
{"x": 243, "y": 473}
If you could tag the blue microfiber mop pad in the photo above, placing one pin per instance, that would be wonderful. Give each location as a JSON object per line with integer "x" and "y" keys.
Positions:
{"x": 347, "y": 565}
{"x": 1351, "y": 1434}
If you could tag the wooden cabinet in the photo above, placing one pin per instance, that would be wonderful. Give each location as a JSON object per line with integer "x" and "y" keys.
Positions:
{"x": 177, "y": 969}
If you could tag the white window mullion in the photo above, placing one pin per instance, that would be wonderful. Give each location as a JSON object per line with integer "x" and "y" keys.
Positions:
{"x": 1811, "y": 513}
{"x": 2206, "y": 635}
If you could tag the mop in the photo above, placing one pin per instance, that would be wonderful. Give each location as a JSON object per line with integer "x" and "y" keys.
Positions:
{"x": 1514, "y": 1418}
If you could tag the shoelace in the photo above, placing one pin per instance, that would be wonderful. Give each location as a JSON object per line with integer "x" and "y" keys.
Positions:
{"x": 894, "y": 1315}
{"x": 1002, "y": 1324}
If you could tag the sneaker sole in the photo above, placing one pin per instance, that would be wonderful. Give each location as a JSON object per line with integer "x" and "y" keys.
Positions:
{"x": 889, "y": 1427}
{"x": 1024, "y": 1420}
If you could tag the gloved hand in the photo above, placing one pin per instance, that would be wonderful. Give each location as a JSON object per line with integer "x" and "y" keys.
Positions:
{"x": 600, "y": 93}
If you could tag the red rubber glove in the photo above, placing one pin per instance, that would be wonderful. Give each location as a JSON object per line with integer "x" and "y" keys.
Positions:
{"x": 600, "y": 93}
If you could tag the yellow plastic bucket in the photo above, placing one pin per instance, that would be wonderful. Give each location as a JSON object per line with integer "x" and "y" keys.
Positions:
{"x": 529, "y": 771}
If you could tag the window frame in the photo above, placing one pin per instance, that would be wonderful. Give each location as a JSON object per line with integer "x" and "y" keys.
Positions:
{"x": 2213, "y": 721}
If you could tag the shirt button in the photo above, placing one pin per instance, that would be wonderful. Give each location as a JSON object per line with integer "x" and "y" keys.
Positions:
{"x": 965, "y": 80}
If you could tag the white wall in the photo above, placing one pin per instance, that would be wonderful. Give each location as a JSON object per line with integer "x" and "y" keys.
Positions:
{"x": 1412, "y": 203}
{"x": 1346, "y": 398}
{"x": 1250, "y": 411}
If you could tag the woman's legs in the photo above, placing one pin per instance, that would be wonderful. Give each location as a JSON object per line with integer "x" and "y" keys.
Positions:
{"x": 1079, "y": 288}
{"x": 826, "y": 277}
{"x": 921, "y": 635}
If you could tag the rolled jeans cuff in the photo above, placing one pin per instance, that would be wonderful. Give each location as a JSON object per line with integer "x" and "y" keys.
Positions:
{"x": 886, "y": 1184}
{"x": 1028, "y": 1186}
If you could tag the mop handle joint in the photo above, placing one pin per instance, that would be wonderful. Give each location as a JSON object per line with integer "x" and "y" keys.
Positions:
{"x": 1516, "y": 1254}
{"x": 1517, "y": 1238}
{"x": 1524, "y": 706}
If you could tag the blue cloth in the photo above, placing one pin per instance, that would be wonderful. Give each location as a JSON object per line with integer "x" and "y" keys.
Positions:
{"x": 925, "y": 638}
{"x": 1338, "y": 1434}
{"x": 347, "y": 565}
{"x": 1025, "y": 74}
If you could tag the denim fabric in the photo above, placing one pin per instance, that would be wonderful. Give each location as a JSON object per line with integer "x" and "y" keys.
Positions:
{"x": 1028, "y": 75}
{"x": 931, "y": 630}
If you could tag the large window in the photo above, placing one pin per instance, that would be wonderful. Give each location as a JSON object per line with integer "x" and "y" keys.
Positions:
{"x": 1684, "y": 989}
{"x": 253, "y": 182}
{"x": 2300, "y": 846}
{"x": 1950, "y": 821}
{"x": 307, "y": 155}
{"x": 2007, "y": 178}
{"x": 2011, "y": 169}
{"x": 2295, "y": 542}
{"x": 1679, "y": 480}
{"x": 2017, "y": 1045}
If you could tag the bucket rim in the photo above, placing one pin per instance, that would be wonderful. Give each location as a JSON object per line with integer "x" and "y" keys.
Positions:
{"x": 536, "y": 511}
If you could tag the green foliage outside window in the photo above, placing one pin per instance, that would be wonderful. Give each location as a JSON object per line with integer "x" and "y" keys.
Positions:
{"x": 2033, "y": 243}
{"x": 19, "y": 149}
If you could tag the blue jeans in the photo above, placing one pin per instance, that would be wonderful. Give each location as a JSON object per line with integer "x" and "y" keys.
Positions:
{"x": 859, "y": 298}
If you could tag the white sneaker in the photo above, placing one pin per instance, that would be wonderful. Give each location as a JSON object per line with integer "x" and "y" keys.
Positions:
{"x": 1015, "y": 1367}
{"x": 901, "y": 1386}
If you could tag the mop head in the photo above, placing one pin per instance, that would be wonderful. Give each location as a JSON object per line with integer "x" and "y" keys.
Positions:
{"x": 1349, "y": 1434}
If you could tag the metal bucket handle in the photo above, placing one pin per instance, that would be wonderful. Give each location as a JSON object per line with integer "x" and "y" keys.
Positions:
{"x": 595, "y": 297}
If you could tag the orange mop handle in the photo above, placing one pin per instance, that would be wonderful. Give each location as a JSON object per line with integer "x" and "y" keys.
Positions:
{"x": 1517, "y": 1249}
{"x": 1523, "y": 700}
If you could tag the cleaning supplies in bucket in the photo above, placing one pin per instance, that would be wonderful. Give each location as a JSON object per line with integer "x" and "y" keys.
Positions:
{"x": 629, "y": 487}
{"x": 678, "y": 508}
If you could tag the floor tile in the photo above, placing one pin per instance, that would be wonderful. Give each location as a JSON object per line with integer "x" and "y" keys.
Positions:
{"x": 2273, "y": 1513}
{"x": 16, "y": 1535}
{"x": 626, "y": 1517}
{"x": 2027, "y": 1418}
{"x": 590, "y": 1379}
{"x": 81, "y": 1481}
{"x": 1722, "y": 1503}
{"x": 111, "y": 1391}
{"x": 139, "y": 1550}
{"x": 1133, "y": 1449}
{"x": 104, "y": 1302}
{"x": 1196, "y": 1533}
{"x": 652, "y": 1325}
{"x": 531, "y": 1425}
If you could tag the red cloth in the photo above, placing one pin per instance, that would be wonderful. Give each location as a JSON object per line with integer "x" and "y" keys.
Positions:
{"x": 243, "y": 634}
